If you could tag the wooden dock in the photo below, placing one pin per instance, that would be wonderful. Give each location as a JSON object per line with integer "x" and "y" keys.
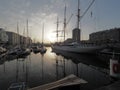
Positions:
{"x": 70, "y": 80}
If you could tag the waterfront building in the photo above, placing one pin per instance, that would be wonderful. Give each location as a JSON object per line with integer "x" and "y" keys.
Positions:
{"x": 13, "y": 38}
{"x": 106, "y": 36}
{"x": 22, "y": 40}
{"x": 76, "y": 35}
{"x": 28, "y": 40}
{"x": 3, "y": 36}
{"x": 16, "y": 39}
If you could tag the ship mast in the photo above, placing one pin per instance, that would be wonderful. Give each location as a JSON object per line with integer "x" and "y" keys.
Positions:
{"x": 27, "y": 28}
{"x": 18, "y": 34}
{"x": 64, "y": 22}
{"x": 57, "y": 28}
{"x": 42, "y": 33}
{"x": 17, "y": 28}
{"x": 78, "y": 15}
{"x": 27, "y": 32}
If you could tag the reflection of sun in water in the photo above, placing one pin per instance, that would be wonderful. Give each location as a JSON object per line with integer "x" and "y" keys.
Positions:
{"x": 51, "y": 37}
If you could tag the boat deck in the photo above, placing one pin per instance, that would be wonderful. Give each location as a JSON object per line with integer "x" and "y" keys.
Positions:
{"x": 67, "y": 81}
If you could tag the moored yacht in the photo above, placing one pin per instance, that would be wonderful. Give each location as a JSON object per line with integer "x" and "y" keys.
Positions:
{"x": 43, "y": 48}
{"x": 35, "y": 49}
{"x": 76, "y": 47}
{"x": 2, "y": 50}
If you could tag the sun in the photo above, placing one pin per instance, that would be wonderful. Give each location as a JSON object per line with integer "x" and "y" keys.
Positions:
{"x": 52, "y": 37}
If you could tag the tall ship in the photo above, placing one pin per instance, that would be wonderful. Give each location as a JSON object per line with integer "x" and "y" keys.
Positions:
{"x": 76, "y": 46}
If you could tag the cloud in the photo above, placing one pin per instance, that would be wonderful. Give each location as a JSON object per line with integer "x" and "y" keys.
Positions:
{"x": 36, "y": 13}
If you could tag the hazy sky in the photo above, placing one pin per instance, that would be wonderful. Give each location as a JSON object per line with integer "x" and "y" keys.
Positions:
{"x": 105, "y": 15}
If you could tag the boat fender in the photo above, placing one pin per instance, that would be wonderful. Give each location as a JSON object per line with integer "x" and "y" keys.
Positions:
{"x": 116, "y": 68}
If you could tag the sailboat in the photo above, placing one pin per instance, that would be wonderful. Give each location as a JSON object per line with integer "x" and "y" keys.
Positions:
{"x": 16, "y": 50}
{"x": 27, "y": 48}
{"x": 76, "y": 47}
{"x": 2, "y": 50}
{"x": 24, "y": 50}
{"x": 43, "y": 48}
{"x": 19, "y": 50}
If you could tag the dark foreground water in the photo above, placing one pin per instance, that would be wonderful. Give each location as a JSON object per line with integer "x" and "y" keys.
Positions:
{"x": 37, "y": 69}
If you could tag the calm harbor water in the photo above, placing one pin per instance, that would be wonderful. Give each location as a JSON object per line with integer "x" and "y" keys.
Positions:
{"x": 37, "y": 69}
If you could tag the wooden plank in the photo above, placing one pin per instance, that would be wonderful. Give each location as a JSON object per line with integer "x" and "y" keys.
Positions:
{"x": 67, "y": 81}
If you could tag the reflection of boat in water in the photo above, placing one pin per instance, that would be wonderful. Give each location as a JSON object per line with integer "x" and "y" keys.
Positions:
{"x": 20, "y": 84}
{"x": 89, "y": 59}
{"x": 76, "y": 47}
{"x": 17, "y": 86}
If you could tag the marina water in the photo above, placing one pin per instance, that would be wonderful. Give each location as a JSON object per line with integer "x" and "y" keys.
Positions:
{"x": 37, "y": 69}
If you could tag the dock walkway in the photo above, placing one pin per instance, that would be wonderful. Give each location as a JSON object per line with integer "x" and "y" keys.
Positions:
{"x": 67, "y": 81}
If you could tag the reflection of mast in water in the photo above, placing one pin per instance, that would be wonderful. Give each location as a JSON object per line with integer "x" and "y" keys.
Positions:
{"x": 4, "y": 67}
{"x": 64, "y": 73}
{"x": 62, "y": 65}
{"x": 77, "y": 73}
{"x": 42, "y": 56}
{"x": 23, "y": 65}
{"x": 29, "y": 60}
{"x": 17, "y": 71}
{"x": 27, "y": 71}
{"x": 56, "y": 67}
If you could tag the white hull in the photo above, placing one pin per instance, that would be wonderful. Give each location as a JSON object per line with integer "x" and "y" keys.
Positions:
{"x": 77, "y": 49}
